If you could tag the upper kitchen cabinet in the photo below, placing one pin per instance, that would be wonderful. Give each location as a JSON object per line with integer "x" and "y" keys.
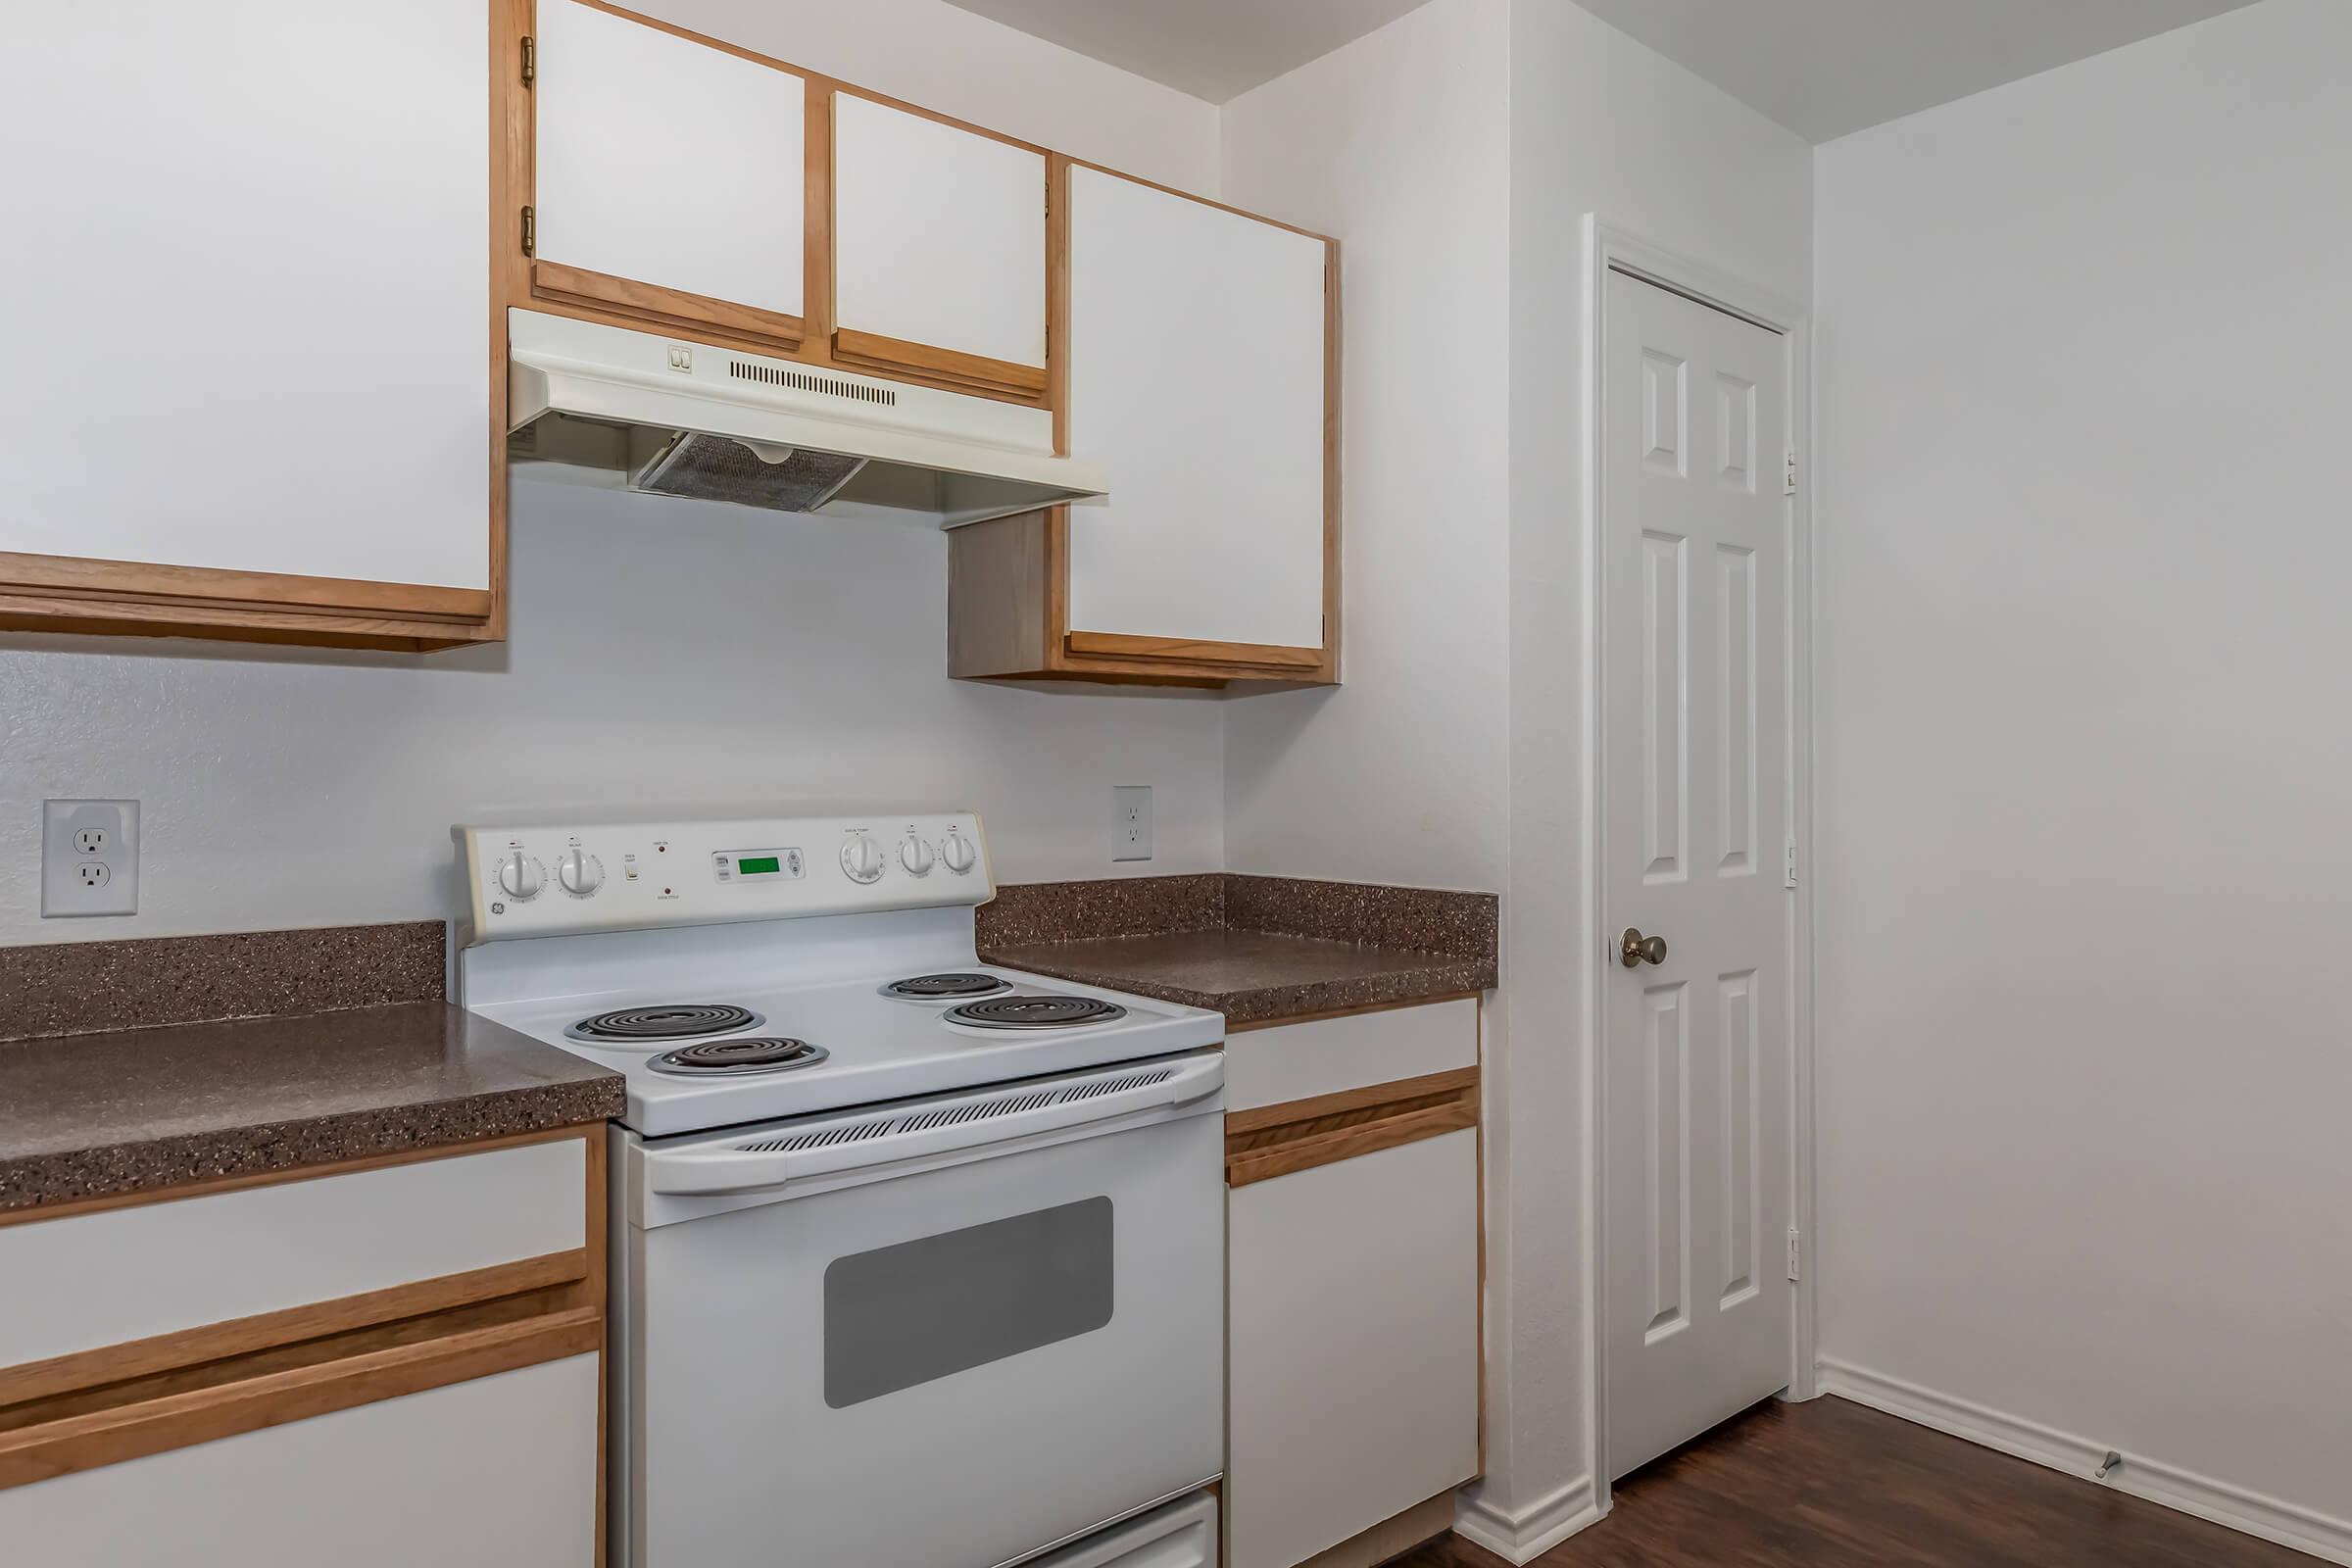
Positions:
{"x": 939, "y": 248}
{"x": 249, "y": 381}
{"x": 1202, "y": 350}
{"x": 670, "y": 178}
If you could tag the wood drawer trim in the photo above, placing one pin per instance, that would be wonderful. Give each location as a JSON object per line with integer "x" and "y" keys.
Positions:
{"x": 1190, "y": 651}
{"x": 86, "y": 1440}
{"x": 667, "y": 309}
{"x": 1278, "y": 1140}
{"x": 975, "y": 371}
{"x": 90, "y": 577}
{"x": 263, "y": 1331}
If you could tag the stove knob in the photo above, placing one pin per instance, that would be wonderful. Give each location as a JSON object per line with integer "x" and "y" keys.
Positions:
{"x": 580, "y": 872}
{"x": 915, "y": 856}
{"x": 861, "y": 859}
{"x": 957, "y": 851}
{"x": 521, "y": 876}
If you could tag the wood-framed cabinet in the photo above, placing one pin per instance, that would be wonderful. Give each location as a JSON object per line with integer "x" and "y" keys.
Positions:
{"x": 939, "y": 246}
{"x": 1354, "y": 1275}
{"x": 316, "y": 1351}
{"x": 675, "y": 182}
{"x": 271, "y": 401}
{"x": 1200, "y": 365}
{"x": 666, "y": 180}
{"x": 250, "y": 376}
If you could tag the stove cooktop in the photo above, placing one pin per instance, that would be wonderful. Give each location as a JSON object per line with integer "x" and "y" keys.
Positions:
{"x": 808, "y": 1048}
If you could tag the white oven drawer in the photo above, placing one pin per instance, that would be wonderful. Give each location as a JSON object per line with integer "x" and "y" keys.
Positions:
{"x": 952, "y": 1354}
{"x": 1182, "y": 1535}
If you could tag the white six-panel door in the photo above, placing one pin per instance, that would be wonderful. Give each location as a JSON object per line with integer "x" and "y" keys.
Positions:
{"x": 1695, "y": 743}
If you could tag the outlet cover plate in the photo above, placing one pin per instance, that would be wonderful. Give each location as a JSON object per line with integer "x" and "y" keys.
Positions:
{"x": 1131, "y": 822}
{"x": 89, "y": 857}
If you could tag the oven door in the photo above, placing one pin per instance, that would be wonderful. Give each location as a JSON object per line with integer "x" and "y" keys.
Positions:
{"x": 951, "y": 1332}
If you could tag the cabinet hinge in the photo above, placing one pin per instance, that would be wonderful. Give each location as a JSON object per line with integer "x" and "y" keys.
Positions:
{"x": 530, "y": 61}
{"x": 530, "y": 232}
{"x": 1789, "y": 862}
{"x": 1796, "y": 1256}
{"x": 1789, "y": 486}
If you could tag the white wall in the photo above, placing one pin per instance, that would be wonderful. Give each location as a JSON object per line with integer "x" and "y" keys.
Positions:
{"x": 1599, "y": 124}
{"x": 2083, "y": 674}
{"x": 1396, "y": 146}
{"x": 660, "y": 653}
{"x": 1454, "y": 154}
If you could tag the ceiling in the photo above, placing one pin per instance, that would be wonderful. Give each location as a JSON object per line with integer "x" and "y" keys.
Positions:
{"x": 1212, "y": 49}
{"x": 1822, "y": 68}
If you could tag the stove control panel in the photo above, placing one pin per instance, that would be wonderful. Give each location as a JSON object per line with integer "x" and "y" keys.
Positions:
{"x": 567, "y": 879}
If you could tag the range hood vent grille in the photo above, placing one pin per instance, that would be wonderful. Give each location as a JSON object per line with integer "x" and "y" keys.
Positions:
{"x": 809, "y": 381}
{"x": 715, "y": 467}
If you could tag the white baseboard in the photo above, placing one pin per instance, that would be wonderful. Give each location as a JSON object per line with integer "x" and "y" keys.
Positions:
{"x": 2202, "y": 1495}
{"x": 1528, "y": 1532}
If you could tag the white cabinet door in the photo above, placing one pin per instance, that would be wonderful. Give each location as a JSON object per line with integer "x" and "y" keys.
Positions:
{"x": 246, "y": 276}
{"x": 1197, "y": 377}
{"x": 939, "y": 234}
{"x": 496, "y": 1473}
{"x": 1353, "y": 1370}
{"x": 666, "y": 162}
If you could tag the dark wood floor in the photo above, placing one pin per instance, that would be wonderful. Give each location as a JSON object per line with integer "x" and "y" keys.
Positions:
{"x": 1831, "y": 1485}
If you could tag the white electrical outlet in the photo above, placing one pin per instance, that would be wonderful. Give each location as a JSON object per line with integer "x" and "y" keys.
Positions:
{"x": 89, "y": 857}
{"x": 1131, "y": 822}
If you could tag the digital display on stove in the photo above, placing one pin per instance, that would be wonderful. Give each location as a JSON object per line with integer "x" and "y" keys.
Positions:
{"x": 747, "y": 866}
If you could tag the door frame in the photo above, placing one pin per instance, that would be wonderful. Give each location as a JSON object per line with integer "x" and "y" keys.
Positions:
{"x": 1610, "y": 247}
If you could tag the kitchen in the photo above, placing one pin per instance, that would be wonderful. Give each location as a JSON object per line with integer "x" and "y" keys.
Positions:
{"x": 683, "y": 661}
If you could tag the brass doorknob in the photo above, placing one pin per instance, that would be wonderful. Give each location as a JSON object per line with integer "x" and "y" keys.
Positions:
{"x": 1638, "y": 950}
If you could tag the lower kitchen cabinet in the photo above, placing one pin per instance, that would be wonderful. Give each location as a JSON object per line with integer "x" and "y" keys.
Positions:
{"x": 1353, "y": 1380}
{"x": 392, "y": 1362}
{"x": 494, "y": 1473}
{"x": 1353, "y": 1288}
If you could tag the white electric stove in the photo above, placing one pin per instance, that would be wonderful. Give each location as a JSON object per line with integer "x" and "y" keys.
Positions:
{"x": 916, "y": 1262}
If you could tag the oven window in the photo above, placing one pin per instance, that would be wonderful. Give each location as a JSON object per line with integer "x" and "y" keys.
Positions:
{"x": 928, "y": 1309}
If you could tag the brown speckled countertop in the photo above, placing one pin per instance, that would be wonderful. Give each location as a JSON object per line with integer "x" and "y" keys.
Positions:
{"x": 1256, "y": 949}
{"x": 160, "y": 1062}
{"x": 145, "y": 1110}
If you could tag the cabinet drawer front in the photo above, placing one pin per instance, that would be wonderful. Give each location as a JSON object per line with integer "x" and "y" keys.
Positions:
{"x": 1327, "y": 1056}
{"x": 1352, "y": 1390}
{"x": 1197, "y": 379}
{"x": 492, "y": 1473}
{"x": 128, "y": 1274}
{"x": 666, "y": 162}
{"x": 939, "y": 234}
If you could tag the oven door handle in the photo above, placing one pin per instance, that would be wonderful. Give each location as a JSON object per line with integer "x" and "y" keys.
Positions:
{"x": 943, "y": 1131}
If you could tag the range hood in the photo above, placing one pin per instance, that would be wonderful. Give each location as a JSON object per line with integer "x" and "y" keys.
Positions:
{"x": 671, "y": 417}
